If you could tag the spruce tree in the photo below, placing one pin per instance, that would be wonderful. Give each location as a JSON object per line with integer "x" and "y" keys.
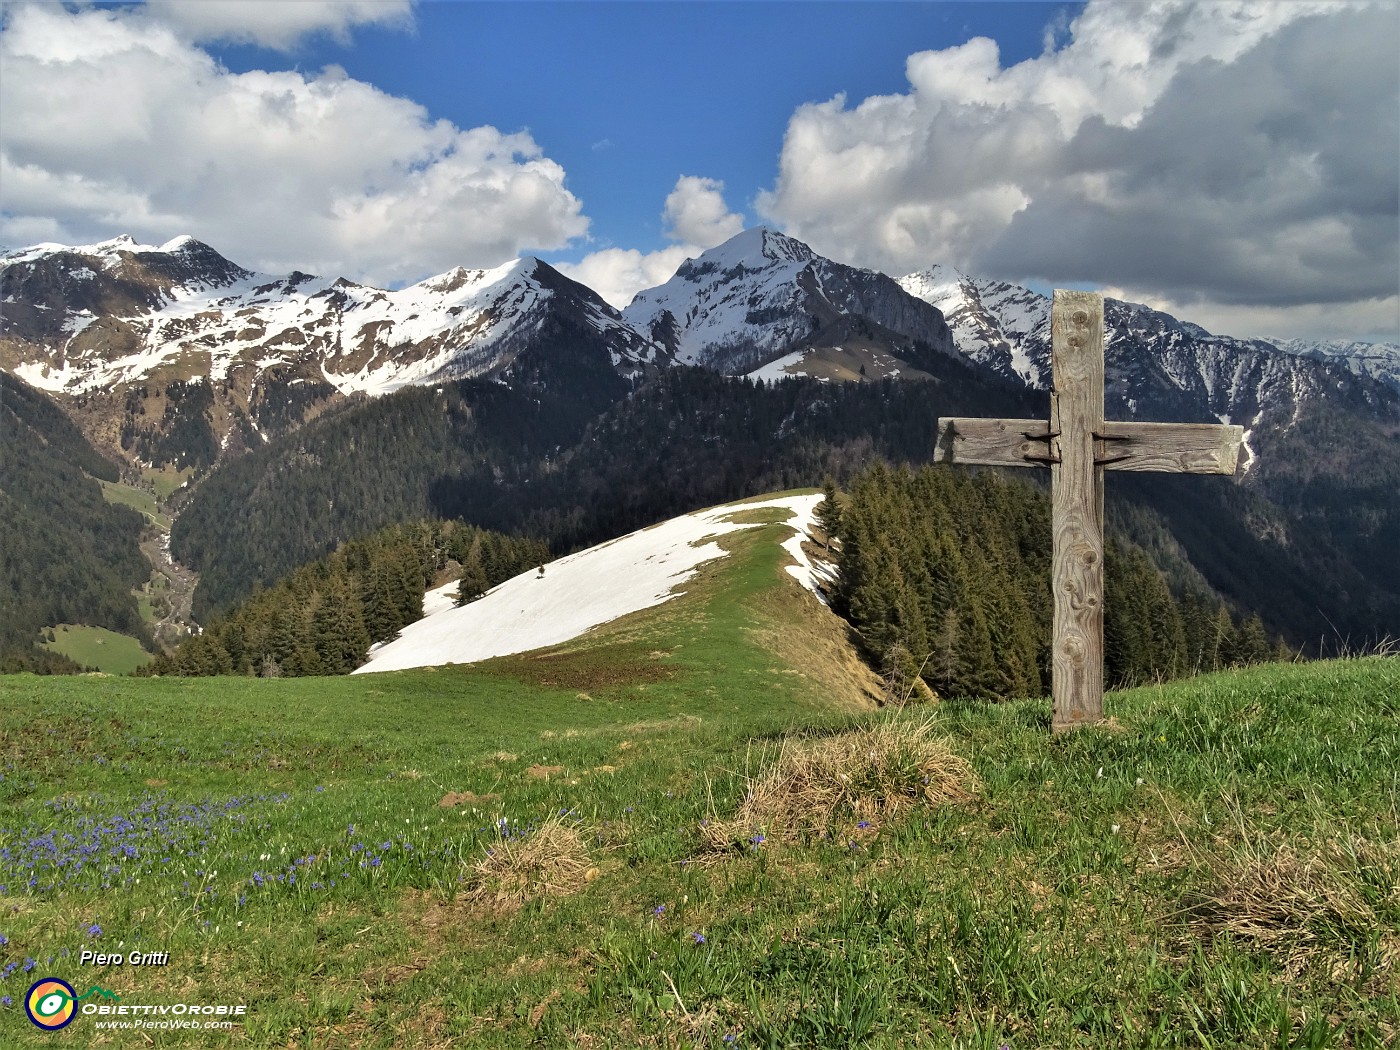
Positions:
{"x": 828, "y": 513}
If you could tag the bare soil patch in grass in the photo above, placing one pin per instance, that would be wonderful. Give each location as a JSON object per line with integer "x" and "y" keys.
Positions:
{"x": 465, "y": 798}
{"x": 589, "y": 669}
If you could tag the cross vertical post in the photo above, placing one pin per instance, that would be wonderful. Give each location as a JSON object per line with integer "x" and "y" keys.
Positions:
{"x": 1076, "y": 418}
{"x": 1078, "y": 445}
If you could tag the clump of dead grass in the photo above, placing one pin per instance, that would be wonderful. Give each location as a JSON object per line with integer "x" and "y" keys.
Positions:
{"x": 863, "y": 775}
{"x": 550, "y": 862}
{"x": 1339, "y": 901}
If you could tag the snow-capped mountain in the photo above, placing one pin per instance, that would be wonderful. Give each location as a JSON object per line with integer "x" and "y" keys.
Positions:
{"x": 1377, "y": 360}
{"x": 1156, "y": 366}
{"x": 173, "y": 354}
{"x": 762, "y": 295}
{"x": 147, "y": 341}
{"x": 95, "y": 317}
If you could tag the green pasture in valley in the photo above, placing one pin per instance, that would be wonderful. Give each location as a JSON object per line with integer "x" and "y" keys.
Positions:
{"x": 99, "y": 648}
{"x": 690, "y": 830}
{"x": 138, "y": 500}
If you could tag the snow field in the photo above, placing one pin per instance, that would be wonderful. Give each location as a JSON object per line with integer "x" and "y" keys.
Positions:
{"x": 583, "y": 590}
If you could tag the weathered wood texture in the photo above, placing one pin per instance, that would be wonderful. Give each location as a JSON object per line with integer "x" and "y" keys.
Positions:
{"x": 1078, "y": 446}
{"x": 1174, "y": 448}
{"x": 1171, "y": 448}
{"x": 1076, "y": 415}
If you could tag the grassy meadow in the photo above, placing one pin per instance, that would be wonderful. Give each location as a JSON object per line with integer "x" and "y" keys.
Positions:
{"x": 98, "y": 647}
{"x": 139, "y": 500}
{"x": 694, "y": 828}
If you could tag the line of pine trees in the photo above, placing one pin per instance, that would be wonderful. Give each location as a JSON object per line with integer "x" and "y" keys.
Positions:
{"x": 945, "y": 576}
{"x": 322, "y": 618}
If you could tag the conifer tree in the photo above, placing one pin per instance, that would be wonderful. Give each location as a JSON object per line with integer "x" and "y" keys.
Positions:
{"x": 828, "y": 512}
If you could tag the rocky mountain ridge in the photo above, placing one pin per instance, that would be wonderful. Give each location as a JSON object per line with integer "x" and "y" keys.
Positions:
{"x": 142, "y": 342}
{"x": 1157, "y": 367}
{"x": 762, "y": 295}
{"x": 174, "y": 354}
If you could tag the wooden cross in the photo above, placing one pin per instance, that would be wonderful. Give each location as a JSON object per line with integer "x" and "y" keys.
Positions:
{"x": 1078, "y": 445}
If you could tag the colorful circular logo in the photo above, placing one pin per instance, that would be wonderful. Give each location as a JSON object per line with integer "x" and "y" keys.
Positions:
{"x": 51, "y": 1003}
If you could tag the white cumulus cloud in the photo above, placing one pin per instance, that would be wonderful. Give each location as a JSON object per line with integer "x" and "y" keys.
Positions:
{"x": 696, "y": 216}
{"x": 1233, "y": 156}
{"x": 618, "y": 274}
{"x": 276, "y": 24}
{"x": 695, "y": 213}
{"x": 278, "y": 170}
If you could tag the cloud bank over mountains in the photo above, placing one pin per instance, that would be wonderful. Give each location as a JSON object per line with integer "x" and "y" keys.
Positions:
{"x": 1211, "y": 156}
{"x": 276, "y": 23}
{"x": 282, "y": 170}
{"x": 1232, "y": 161}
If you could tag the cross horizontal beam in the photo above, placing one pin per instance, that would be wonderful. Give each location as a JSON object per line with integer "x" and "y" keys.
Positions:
{"x": 1176, "y": 448}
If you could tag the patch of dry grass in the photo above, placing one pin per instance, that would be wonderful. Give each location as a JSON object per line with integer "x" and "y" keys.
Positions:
{"x": 1339, "y": 901}
{"x": 551, "y": 862}
{"x": 859, "y": 775}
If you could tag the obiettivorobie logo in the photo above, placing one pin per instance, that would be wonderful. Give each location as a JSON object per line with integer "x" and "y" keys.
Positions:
{"x": 52, "y": 1003}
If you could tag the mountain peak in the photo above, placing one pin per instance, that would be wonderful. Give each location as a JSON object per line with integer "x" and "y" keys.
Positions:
{"x": 755, "y": 249}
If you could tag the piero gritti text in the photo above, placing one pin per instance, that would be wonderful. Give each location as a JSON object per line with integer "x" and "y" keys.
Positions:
{"x": 91, "y": 958}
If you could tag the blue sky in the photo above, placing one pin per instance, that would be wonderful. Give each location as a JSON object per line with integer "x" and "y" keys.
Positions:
{"x": 1233, "y": 162}
{"x": 630, "y": 96}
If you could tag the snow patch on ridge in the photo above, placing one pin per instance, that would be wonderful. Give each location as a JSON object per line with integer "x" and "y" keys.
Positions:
{"x": 583, "y": 590}
{"x": 784, "y": 367}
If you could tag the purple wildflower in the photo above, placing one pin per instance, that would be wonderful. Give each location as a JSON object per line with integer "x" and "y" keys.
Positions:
{"x": 94, "y": 931}
{"x": 698, "y": 937}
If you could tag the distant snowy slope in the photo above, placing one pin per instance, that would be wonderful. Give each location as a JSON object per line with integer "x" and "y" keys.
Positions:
{"x": 583, "y": 590}
{"x": 1377, "y": 360}
{"x": 1156, "y": 365}
{"x": 177, "y": 355}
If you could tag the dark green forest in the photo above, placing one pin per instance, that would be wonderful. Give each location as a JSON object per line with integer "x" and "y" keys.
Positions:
{"x": 945, "y": 576}
{"x": 66, "y": 554}
{"x": 322, "y": 618}
{"x": 576, "y": 469}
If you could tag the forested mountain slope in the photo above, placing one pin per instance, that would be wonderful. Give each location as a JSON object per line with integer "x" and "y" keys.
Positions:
{"x": 556, "y": 466}
{"x": 66, "y": 554}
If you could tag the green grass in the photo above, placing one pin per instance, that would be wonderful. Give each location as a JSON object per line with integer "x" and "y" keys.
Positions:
{"x": 167, "y": 479}
{"x": 98, "y": 647}
{"x": 137, "y": 499}
{"x": 290, "y": 853}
